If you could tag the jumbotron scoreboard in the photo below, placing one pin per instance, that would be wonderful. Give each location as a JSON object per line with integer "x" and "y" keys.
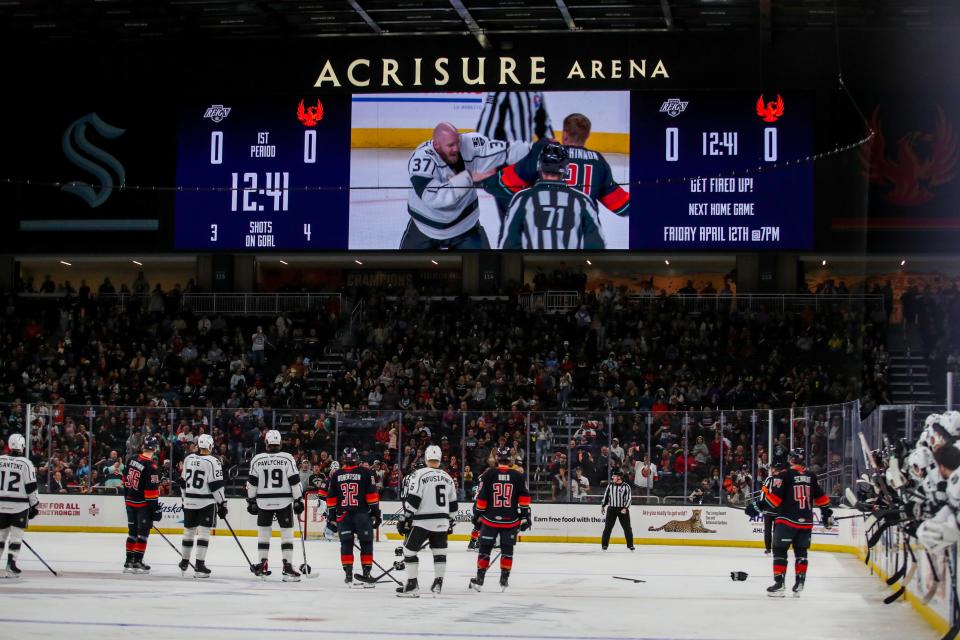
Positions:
{"x": 721, "y": 171}
{"x": 263, "y": 176}
{"x": 705, "y": 171}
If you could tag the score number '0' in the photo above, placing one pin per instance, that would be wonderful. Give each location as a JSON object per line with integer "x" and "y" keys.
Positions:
{"x": 309, "y": 147}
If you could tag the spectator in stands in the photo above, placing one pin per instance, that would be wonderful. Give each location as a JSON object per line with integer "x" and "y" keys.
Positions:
{"x": 645, "y": 474}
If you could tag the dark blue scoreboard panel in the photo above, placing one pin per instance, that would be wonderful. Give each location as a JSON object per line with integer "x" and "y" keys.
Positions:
{"x": 274, "y": 174}
{"x": 694, "y": 162}
{"x": 269, "y": 175}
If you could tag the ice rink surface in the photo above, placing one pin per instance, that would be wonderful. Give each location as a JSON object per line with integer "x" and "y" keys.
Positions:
{"x": 378, "y": 217}
{"x": 558, "y": 591}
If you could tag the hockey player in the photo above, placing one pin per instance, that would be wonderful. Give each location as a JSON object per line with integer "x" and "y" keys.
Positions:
{"x": 429, "y": 507}
{"x": 18, "y": 499}
{"x": 354, "y": 504}
{"x": 323, "y": 491}
{"x": 442, "y": 199}
{"x": 552, "y": 214}
{"x": 503, "y": 507}
{"x": 202, "y": 484}
{"x": 792, "y": 496}
{"x": 274, "y": 491}
{"x": 587, "y": 171}
{"x": 755, "y": 511}
{"x": 141, "y": 488}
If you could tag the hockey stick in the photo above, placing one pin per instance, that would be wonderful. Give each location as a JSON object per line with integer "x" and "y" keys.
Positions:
{"x": 932, "y": 591}
{"x": 379, "y": 566}
{"x": 908, "y": 578}
{"x": 177, "y": 551}
{"x": 635, "y": 580}
{"x": 44, "y": 562}
{"x": 305, "y": 568}
{"x": 253, "y": 567}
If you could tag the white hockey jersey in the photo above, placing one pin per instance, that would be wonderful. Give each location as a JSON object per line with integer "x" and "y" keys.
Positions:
{"x": 18, "y": 484}
{"x": 430, "y": 499}
{"x": 202, "y": 481}
{"x": 274, "y": 480}
{"x": 442, "y": 200}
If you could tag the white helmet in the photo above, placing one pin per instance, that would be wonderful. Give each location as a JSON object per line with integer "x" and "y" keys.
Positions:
{"x": 334, "y": 466}
{"x": 951, "y": 422}
{"x": 920, "y": 461}
{"x": 931, "y": 420}
{"x": 274, "y": 438}
{"x": 205, "y": 441}
{"x": 433, "y": 452}
{"x": 17, "y": 442}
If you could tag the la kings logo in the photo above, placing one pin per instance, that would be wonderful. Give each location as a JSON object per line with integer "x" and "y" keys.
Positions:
{"x": 217, "y": 112}
{"x": 673, "y": 107}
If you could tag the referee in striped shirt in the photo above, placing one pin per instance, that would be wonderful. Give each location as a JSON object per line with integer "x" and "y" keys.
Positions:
{"x": 617, "y": 497}
{"x": 515, "y": 116}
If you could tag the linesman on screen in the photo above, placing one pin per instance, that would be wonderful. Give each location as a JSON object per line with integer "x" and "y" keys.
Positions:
{"x": 552, "y": 215}
{"x": 442, "y": 199}
{"x": 515, "y": 115}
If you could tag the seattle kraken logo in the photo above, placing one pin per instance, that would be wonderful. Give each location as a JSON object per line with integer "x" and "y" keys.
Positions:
{"x": 75, "y": 141}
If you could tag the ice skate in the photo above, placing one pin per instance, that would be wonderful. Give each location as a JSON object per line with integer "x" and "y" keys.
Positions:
{"x": 798, "y": 586}
{"x": 200, "y": 570}
{"x": 437, "y": 586}
{"x": 409, "y": 590}
{"x": 289, "y": 573}
{"x": 777, "y": 589}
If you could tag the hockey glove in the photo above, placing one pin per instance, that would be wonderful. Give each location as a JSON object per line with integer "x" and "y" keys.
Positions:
{"x": 826, "y": 517}
{"x": 525, "y": 520}
{"x": 252, "y": 507}
{"x": 404, "y": 526}
{"x": 751, "y": 510}
{"x": 475, "y": 520}
{"x": 34, "y": 512}
{"x": 157, "y": 513}
{"x": 376, "y": 519}
{"x": 298, "y": 506}
{"x": 222, "y": 510}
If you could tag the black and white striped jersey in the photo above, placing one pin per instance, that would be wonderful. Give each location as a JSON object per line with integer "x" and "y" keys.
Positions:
{"x": 617, "y": 495}
{"x": 515, "y": 115}
{"x": 552, "y": 216}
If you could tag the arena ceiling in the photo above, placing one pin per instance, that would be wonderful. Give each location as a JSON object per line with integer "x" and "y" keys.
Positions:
{"x": 139, "y": 20}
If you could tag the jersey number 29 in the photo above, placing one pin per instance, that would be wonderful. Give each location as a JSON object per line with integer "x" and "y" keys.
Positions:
{"x": 502, "y": 494}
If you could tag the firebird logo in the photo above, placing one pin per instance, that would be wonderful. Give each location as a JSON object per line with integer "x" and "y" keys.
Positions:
{"x": 311, "y": 115}
{"x": 924, "y": 161}
{"x": 770, "y": 111}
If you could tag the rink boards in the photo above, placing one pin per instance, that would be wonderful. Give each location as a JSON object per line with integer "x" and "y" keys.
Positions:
{"x": 699, "y": 525}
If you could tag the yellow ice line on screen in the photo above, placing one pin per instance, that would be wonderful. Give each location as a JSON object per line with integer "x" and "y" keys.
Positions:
{"x": 396, "y": 138}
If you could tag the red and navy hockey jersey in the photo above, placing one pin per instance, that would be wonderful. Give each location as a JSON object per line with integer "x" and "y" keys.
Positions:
{"x": 141, "y": 485}
{"x": 502, "y": 497}
{"x": 792, "y": 495}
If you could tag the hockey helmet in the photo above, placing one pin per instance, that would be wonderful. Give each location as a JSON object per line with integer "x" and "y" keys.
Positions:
{"x": 951, "y": 422}
{"x": 205, "y": 441}
{"x": 350, "y": 455}
{"x": 504, "y": 454}
{"x": 796, "y": 455}
{"x": 151, "y": 443}
{"x": 17, "y": 442}
{"x": 273, "y": 438}
{"x": 433, "y": 452}
{"x": 553, "y": 158}
{"x": 334, "y": 466}
{"x": 920, "y": 462}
